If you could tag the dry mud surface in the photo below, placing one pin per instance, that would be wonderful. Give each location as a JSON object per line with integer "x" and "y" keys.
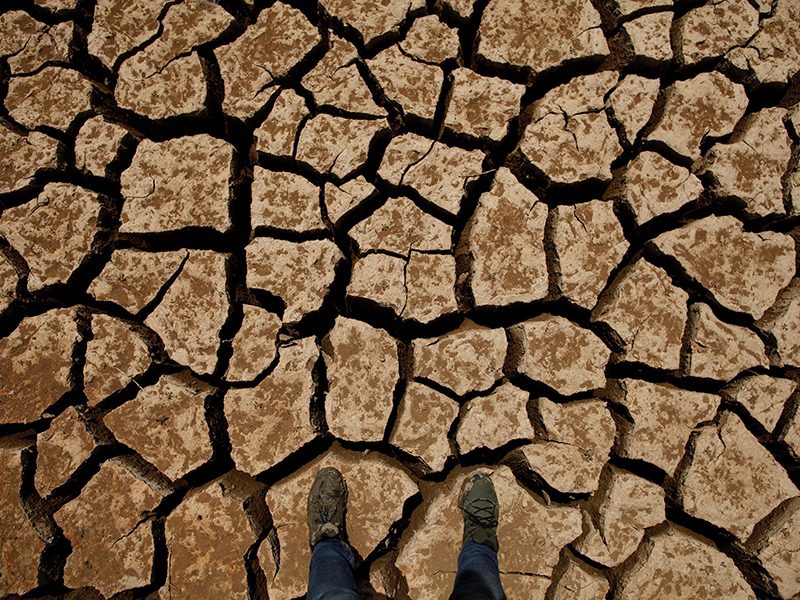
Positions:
{"x": 555, "y": 240}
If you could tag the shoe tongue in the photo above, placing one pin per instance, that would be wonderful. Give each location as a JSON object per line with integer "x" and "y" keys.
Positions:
{"x": 486, "y": 537}
{"x": 328, "y": 531}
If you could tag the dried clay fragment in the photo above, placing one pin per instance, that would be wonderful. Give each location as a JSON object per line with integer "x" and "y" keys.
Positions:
{"x": 733, "y": 481}
{"x": 541, "y": 35}
{"x": 648, "y": 312}
{"x": 42, "y": 345}
{"x": 299, "y": 273}
{"x": 277, "y": 41}
{"x": 176, "y": 88}
{"x": 469, "y": 358}
{"x": 713, "y": 29}
{"x": 109, "y": 551}
{"x": 114, "y": 356}
{"x": 97, "y": 144}
{"x": 165, "y": 77}
{"x": 632, "y": 102}
{"x": 415, "y": 86}
{"x": 430, "y": 281}
{"x": 579, "y": 438}
{"x": 779, "y": 556}
{"x": 653, "y": 186}
{"x": 783, "y": 321}
{"x": 462, "y": 7}
{"x": 566, "y": 357}
{"x": 423, "y": 421}
{"x": 579, "y": 583}
{"x": 132, "y": 278}
{"x": 752, "y": 166}
{"x": 284, "y": 201}
{"x": 208, "y": 536}
{"x": 339, "y": 199}
{"x": 437, "y": 171}
{"x": 337, "y": 145}
{"x": 166, "y": 424}
{"x": 430, "y": 40}
{"x": 162, "y": 190}
{"x": 708, "y": 105}
{"x": 372, "y": 18}
{"x": 589, "y": 243}
{"x": 185, "y": 26}
{"x": 400, "y": 226}
{"x": 254, "y": 344}
{"x": 269, "y": 422}
{"x": 774, "y": 53}
{"x": 482, "y": 106}
{"x": 631, "y": 505}
{"x": 663, "y": 418}
{"x": 650, "y": 36}
{"x": 60, "y": 450}
{"x": 335, "y": 81}
{"x": 277, "y": 133}
{"x": 763, "y": 396}
{"x": 52, "y": 96}
{"x": 20, "y": 547}
{"x": 686, "y": 567}
{"x": 570, "y": 138}
{"x": 193, "y": 311}
{"x": 28, "y": 44}
{"x": 421, "y": 287}
{"x": 381, "y": 278}
{"x": 363, "y": 369}
{"x": 121, "y": 25}
{"x": 23, "y": 156}
{"x": 494, "y": 420}
{"x": 53, "y": 232}
{"x": 744, "y": 271}
{"x": 720, "y": 350}
{"x": 504, "y": 239}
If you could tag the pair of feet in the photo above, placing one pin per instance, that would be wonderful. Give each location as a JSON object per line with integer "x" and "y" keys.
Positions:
{"x": 327, "y": 503}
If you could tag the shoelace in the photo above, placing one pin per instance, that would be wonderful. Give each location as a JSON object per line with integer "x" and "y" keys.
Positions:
{"x": 481, "y": 514}
{"x": 327, "y": 511}
{"x": 325, "y": 515}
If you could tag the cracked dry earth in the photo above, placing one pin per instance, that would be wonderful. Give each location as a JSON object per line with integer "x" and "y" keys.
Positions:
{"x": 555, "y": 240}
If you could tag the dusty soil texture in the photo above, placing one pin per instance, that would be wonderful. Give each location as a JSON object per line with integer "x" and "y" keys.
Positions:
{"x": 554, "y": 240}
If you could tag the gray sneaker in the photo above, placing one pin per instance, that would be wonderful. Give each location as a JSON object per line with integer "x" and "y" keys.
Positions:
{"x": 327, "y": 502}
{"x": 481, "y": 511}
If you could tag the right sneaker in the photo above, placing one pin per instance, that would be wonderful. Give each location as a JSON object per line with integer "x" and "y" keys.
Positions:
{"x": 327, "y": 502}
{"x": 481, "y": 511}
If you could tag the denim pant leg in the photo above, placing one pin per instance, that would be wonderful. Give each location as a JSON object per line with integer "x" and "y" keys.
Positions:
{"x": 330, "y": 574}
{"x": 478, "y": 576}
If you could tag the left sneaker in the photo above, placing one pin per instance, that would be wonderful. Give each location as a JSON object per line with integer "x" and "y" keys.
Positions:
{"x": 327, "y": 502}
{"x": 481, "y": 511}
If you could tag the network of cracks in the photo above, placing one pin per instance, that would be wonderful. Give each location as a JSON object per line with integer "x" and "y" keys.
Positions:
{"x": 555, "y": 241}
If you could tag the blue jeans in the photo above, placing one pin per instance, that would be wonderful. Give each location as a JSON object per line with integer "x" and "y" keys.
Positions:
{"x": 331, "y": 573}
{"x": 478, "y": 575}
